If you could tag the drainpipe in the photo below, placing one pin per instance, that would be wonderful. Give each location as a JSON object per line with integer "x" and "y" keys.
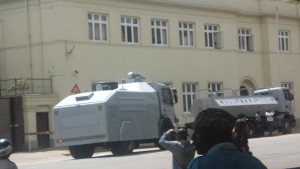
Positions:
{"x": 2, "y": 56}
{"x": 41, "y": 43}
{"x": 29, "y": 45}
{"x": 41, "y": 38}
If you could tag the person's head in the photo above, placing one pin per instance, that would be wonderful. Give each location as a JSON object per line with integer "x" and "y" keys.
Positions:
{"x": 241, "y": 115}
{"x": 258, "y": 112}
{"x": 212, "y": 126}
{"x": 5, "y": 148}
{"x": 241, "y": 125}
{"x": 181, "y": 134}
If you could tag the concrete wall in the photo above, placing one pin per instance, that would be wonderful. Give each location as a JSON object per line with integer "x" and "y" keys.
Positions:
{"x": 55, "y": 26}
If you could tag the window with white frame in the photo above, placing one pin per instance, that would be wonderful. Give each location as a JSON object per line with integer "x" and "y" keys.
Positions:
{"x": 283, "y": 38}
{"x": 213, "y": 36}
{"x": 215, "y": 89}
{"x": 245, "y": 39}
{"x": 287, "y": 85}
{"x": 189, "y": 93}
{"x": 130, "y": 29}
{"x": 159, "y": 29}
{"x": 98, "y": 27}
{"x": 186, "y": 34}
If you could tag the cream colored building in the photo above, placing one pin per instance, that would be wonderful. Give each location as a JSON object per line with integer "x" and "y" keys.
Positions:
{"x": 186, "y": 43}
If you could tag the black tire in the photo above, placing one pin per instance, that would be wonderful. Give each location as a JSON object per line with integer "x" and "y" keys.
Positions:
{"x": 122, "y": 147}
{"x": 287, "y": 126}
{"x": 82, "y": 151}
{"x": 164, "y": 125}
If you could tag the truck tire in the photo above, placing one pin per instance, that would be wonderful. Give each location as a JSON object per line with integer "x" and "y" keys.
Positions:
{"x": 122, "y": 147}
{"x": 81, "y": 151}
{"x": 287, "y": 126}
{"x": 164, "y": 125}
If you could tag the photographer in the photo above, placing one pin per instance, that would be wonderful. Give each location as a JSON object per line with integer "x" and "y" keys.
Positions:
{"x": 182, "y": 149}
{"x": 240, "y": 135}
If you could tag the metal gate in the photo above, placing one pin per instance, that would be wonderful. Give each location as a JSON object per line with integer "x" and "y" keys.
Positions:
{"x": 12, "y": 121}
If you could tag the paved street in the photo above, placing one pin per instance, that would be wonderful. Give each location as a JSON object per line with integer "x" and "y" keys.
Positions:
{"x": 275, "y": 152}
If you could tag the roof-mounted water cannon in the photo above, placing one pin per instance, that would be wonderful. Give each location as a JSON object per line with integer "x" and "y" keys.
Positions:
{"x": 135, "y": 77}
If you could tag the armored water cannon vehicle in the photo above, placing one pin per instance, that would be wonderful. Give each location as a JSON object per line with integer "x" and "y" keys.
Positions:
{"x": 115, "y": 116}
{"x": 278, "y": 99}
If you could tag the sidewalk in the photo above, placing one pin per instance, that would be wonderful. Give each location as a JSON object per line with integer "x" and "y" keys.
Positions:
{"x": 50, "y": 154}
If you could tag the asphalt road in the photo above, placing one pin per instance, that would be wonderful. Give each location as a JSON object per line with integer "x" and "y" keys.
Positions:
{"x": 277, "y": 152}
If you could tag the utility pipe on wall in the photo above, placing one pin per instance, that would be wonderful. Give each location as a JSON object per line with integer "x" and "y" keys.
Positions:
{"x": 2, "y": 49}
{"x": 28, "y": 44}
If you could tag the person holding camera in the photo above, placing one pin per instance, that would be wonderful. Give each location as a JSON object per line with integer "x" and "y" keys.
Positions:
{"x": 240, "y": 135}
{"x": 214, "y": 143}
{"x": 182, "y": 149}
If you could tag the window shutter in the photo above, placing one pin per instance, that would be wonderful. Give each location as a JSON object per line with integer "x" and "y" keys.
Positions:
{"x": 218, "y": 36}
{"x": 251, "y": 40}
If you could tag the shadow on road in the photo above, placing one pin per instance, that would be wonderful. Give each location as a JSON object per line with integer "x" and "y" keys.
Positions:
{"x": 132, "y": 154}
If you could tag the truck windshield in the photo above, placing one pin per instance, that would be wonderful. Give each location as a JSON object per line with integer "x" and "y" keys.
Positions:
{"x": 287, "y": 95}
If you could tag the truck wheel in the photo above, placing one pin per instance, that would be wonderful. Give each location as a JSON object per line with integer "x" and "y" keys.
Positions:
{"x": 287, "y": 126}
{"x": 122, "y": 148}
{"x": 164, "y": 125}
{"x": 82, "y": 151}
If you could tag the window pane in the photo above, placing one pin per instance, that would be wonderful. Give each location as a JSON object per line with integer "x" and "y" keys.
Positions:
{"x": 123, "y": 34}
{"x": 158, "y": 36}
{"x": 210, "y": 37}
{"x": 164, "y": 37}
{"x": 97, "y": 31}
{"x": 136, "y": 37}
{"x": 191, "y": 39}
{"x": 104, "y": 32}
{"x": 153, "y": 35}
{"x": 180, "y": 38}
{"x": 90, "y": 31}
{"x": 129, "y": 34}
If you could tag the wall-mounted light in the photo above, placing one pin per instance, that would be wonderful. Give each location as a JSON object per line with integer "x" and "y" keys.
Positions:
{"x": 75, "y": 72}
{"x": 69, "y": 51}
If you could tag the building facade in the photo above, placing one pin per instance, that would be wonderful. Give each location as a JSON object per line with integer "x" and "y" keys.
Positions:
{"x": 190, "y": 45}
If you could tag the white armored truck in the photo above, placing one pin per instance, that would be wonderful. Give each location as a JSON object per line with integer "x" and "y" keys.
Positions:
{"x": 116, "y": 116}
{"x": 278, "y": 99}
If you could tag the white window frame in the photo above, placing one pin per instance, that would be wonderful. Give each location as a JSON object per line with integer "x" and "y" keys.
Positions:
{"x": 213, "y": 36}
{"x": 283, "y": 41}
{"x": 130, "y": 29}
{"x": 98, "y": 27}
{"x": 189, "y": 93}
{"x": 159, "y": 30}
{"x": 186, "y": 34}
{"x": 215, "y": 89}
{"x": 288, "y": 85}
{"x": 245, "y": 39}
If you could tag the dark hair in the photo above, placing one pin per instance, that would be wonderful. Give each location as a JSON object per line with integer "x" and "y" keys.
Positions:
{"x": 181, "y": 134}
{"x": 241, "y": 115}
{"x": 240, "y": 125}
{"x": 212, "y": 126}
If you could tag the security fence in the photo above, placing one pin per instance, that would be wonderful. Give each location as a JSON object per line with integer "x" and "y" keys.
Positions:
{"x": 16, "y": 86}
